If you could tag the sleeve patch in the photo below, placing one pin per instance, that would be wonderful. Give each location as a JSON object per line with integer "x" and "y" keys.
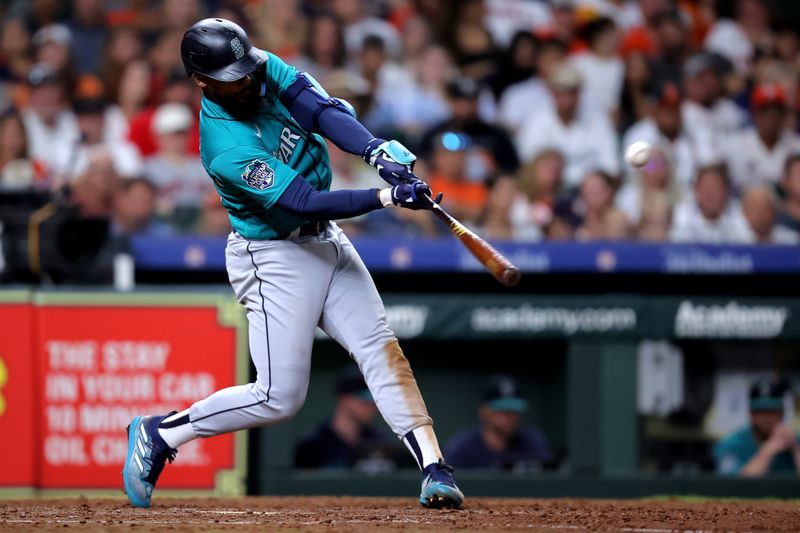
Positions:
{"x": 259, "y": 175}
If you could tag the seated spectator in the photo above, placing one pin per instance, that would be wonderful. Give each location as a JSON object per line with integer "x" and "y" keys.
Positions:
{"x": 134, "y": 210}
{"x": 349, "y": 439}
{"x": 655, "y": 218}
{"x": 356, "y": 17}
{"x": 500, "y": 442}
{"x": 324, "y": 49}
{"x": 585, "y": 209}
{"x": 789, "y": 212}
{"x": 495, "y": 222}
{"x": 91, "y": 114}
{"x": 768, "y": 445}
{"x": 540, "y": 185}
{"x": 654, "y": 178}
{"x": 179, "y": 175}
{"x": 615, "y": 226}
{"x": 52, "y": 43}
{"x": 69, "y": 240}
{"x": 89, "y": 33}
{"x": 463, "y": 99}
{"x": 756, "y": 156}
{"x": 17, "y": 170}
{"x": 587, "y": 142}
{"x": 760, "y": 211}
{"x": 667, "y": 131}
{"x": 712, "y": 215}
{"x": 601, "y": 67}
{"x": 464, "y": 199}
{"x": 50, "y": 125}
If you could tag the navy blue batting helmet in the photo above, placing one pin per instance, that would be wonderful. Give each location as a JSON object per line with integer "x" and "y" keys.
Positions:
{"x": 219, "y": 49}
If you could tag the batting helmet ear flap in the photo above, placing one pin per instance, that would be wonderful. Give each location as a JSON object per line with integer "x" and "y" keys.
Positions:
{"x": 219, "y": 49}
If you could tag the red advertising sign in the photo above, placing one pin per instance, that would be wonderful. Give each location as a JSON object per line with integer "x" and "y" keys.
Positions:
{"x": 17, "y": 395}
{"x": 103, "y": 365}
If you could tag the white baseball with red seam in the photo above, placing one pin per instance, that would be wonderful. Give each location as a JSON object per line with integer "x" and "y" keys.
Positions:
{"x": 638, "y": 154}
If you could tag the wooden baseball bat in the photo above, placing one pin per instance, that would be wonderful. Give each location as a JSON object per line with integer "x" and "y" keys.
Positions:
{"x": 498, "y": 266}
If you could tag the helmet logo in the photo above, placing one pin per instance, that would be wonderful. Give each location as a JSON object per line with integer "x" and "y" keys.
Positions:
{"x": 238, "y": 49}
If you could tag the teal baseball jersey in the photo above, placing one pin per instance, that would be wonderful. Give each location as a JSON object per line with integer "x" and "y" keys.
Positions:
{"x": 736, "y": 450}
{"x": 252, "y": 161}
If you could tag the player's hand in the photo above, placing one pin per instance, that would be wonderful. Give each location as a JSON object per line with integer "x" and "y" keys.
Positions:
{"x": 395, "y": 162}
{"x": 408, "y": 195}
{"x": 782, "y": 438}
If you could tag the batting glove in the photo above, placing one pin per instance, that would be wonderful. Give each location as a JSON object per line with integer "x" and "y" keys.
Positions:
{"x": 395, "y": 162}
{"x": 408, "y": 195}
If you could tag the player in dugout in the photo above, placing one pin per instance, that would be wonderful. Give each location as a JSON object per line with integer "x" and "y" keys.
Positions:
{"x": 768, "y": 445}
{"x": 261, "y": 140}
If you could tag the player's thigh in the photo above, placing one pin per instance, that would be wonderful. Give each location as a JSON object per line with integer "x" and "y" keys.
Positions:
{"x": 353, "y": 313}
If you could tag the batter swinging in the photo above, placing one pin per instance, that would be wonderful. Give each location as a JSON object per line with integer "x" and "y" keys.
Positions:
{"x": 260, "y": 142}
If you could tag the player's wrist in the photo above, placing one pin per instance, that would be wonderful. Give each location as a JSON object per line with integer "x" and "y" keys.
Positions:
{"x": 385, "y": 197}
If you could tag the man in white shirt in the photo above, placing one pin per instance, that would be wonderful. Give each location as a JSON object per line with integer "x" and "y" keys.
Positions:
{"x": 756, "y": 156}
{"x": 759, "y": 206}
{"x": 50, "y": 125}
{"x": 601, "y": 67}
{"x": 667, "y": 131}
{"x": 712, "y": 215}
{"x": 588, "y": 142}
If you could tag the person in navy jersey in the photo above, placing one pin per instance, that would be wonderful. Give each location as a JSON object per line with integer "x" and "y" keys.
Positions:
{"x": 500, "y": 442}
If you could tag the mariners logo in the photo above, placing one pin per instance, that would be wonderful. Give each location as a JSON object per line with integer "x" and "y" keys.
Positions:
{"x": 236, "y": 46}
{"x": 259, "y": 175}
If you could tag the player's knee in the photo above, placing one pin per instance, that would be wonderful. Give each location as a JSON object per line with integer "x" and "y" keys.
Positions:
{"x": 280, "y": 405}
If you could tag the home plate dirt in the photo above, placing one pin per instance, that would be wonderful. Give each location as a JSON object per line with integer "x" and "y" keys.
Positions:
{"x": 355, "y": 515}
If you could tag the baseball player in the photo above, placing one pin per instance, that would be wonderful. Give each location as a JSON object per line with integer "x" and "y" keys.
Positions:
{"x": 261, "y": 124}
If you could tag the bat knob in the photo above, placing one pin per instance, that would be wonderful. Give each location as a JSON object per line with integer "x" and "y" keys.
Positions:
{"x": 511, "y": 277}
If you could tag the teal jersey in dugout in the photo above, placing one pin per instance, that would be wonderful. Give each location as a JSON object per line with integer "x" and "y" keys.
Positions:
{"x": 733, "y": 452}
{"x": 252, "y": 161}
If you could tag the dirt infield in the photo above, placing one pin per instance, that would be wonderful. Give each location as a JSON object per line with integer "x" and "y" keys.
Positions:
{"x": 355, "y": 515}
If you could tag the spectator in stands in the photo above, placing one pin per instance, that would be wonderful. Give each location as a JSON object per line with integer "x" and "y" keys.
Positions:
{"x": 584, "y": 209}
{"x": 540, "y": 184}
{"x": 626, "y": 14}
{"x": 463, "y": 98}
{"x": 349, "y": 439}
{"x": 134, "y": 210}
{"x": 52, "y": 48}
{"x": 637, "y": 87}
{"x": 737, "y": 39}
{"x": 587, "y": 141}
{"x": 706, "y": 105}
{"x": 672, "y": 42}
{"x": 654, "y": 178}
{"x": 495, "y": 222}
{"x": 324, "y": 50}
{"x": 50, "y": 125}
{"x": 17, "y": 170}
{"x": 94, "y": 129}
{"x": 89, "y": 33}
{"x": 756, "y": 156}
{"x": 685, "y": 151}
{"x": 15, "y": 57}
{"x": 448, "y": 175}
{"x": 356, "y": 16}
{"x": 768, "y": 445}
{"x": 124, "y": 46}
{"x": 500, "y": 442}
{"x": 789, "y": 212}
{"x": 69, "y": 240}
{"x": 517, "y": 64}
{"x": 213, "y": 217}
{"x": 528, "y": 98}
{"x": 470, "y": 41}
{"x": 759, "y": 206}
{"x": 132, "y": 93}
{"x": 615, "y": 226}
{"x": 656, "y": 218}
{"x": 179, "y": 175}
{"x": 600, "y": 67}
{"x": 712, "y": 214}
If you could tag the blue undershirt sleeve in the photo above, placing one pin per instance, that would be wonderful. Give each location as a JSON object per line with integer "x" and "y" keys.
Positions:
{"x": 302, "y": 200}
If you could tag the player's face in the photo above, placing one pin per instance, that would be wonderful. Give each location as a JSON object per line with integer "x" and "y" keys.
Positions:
{"x": 237, "y": 97}
{"x": 764, "y": 422}
{"x": 503, "y": 422}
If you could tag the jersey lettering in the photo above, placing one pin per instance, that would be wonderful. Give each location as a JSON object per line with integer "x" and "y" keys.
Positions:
{"x": 287, "y": 146}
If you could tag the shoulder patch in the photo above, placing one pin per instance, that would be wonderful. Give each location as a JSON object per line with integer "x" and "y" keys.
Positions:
{"x": 259, "y": 175}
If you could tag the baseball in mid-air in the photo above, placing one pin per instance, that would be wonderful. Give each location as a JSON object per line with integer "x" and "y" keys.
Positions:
{"x": 638, "y": 154}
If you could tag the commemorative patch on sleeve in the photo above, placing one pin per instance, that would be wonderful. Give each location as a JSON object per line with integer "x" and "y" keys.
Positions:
{"x": 259, "y": 175}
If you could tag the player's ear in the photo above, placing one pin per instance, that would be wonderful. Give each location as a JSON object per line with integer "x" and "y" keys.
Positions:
{"x": 198, "y": 81}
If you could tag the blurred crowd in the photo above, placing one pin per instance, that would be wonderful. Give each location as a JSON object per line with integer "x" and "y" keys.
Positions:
{"x": 519, "y": 111}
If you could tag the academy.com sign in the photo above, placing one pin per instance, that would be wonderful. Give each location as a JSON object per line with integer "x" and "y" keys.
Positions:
{"x": 731, "y": 320}
{"x": 562, "y": 320}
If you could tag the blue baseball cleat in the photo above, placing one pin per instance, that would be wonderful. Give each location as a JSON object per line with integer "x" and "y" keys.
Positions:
{"x": 439, "y": 489}
{"x": 147, "y": 455}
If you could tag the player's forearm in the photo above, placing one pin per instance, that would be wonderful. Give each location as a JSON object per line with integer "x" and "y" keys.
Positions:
{"x": 302, "y": 200}
{"x": 759, "y": 464}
